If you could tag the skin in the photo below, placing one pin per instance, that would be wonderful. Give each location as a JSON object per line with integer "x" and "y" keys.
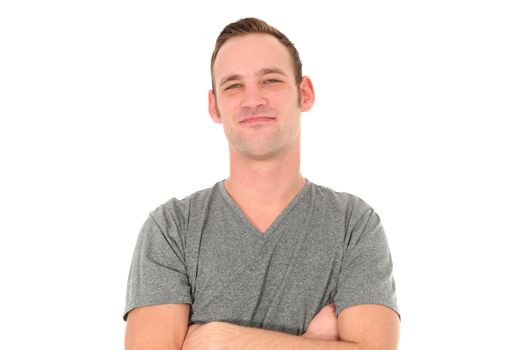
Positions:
{"x": 254, "y": 78}
{"x": 259, "y": 104}
{"x": 363, "y": 327}
{"x": 324, "y": 325}
{"x": 157, "y": 327}
{"x": 258, "y": 80}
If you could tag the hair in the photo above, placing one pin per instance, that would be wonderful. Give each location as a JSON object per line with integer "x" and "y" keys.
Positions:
{"x": 251, "y": 25}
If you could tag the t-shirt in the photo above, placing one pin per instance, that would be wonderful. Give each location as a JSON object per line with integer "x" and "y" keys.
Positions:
{"x": 325, "y": 247}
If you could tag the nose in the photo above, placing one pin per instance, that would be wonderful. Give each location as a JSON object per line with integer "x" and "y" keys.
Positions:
{"x": 253, "y": 97}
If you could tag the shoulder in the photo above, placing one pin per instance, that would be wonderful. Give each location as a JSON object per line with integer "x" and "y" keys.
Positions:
{"x": 350, "y": 205}
{"x": 177, "y": 212}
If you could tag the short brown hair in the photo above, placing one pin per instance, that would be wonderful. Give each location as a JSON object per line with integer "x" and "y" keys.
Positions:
{"x": 254, "y": 25}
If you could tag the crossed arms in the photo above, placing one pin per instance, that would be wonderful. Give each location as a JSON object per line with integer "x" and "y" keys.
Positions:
{"x": 165, "y": 327}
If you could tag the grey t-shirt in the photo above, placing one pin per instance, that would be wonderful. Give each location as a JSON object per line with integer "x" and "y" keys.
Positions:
{"x": 325, "y": 247}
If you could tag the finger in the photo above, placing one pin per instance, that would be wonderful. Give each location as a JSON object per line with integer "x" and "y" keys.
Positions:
{"x": 328, "y": 308}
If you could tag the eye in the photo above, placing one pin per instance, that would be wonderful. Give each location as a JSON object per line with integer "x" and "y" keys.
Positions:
{"x": 271, "y": 81}
{"x": 233, "y": 86}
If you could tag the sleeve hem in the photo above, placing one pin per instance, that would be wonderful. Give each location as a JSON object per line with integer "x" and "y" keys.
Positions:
{"x": 341, "y": 306}
{"x": 130, "y": 307}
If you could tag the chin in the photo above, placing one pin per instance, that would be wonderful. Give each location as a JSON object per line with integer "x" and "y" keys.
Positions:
{"x": 263, "y": 154}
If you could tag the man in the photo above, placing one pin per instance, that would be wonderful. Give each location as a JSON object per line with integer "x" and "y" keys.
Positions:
{"x": 265, "y": 259}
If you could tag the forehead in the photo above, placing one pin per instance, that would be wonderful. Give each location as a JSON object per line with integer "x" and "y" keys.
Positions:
{"x": 249, "y": 53}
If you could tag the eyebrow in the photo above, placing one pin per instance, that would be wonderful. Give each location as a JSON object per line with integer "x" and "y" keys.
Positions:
{"x": 260, "y": 72}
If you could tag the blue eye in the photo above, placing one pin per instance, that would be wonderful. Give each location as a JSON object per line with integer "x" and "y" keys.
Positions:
{"x": 271, "y": 81}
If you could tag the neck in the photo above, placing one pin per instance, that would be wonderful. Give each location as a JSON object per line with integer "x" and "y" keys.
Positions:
{"x": 265, "y": 182}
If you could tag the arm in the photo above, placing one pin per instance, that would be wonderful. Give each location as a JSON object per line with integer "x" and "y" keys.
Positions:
{"x": 158, "y": 295}
{"x": 226, "y": 336}
{"x": 367, "y": 326}
{"x": 374, "y": 326}
{"x": 159, "y": 327}
{"x": 324, "y": 325}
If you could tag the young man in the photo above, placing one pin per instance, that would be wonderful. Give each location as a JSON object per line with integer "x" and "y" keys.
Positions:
{"x": 264, "y": 259}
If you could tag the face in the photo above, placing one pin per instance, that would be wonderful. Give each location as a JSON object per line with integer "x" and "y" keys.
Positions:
{"x": 256, "y": 96}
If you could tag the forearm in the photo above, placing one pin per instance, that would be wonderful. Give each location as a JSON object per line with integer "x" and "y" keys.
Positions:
{"x": 221, "y": 335}
{"x": 256, "y": 338}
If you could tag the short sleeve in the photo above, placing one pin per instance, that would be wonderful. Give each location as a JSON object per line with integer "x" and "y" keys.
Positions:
{"x": 158, "y": 272}
{"x": 366, "y": 272}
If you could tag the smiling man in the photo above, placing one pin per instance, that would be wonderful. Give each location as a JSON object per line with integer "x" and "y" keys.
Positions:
{"x": 265, "y": 259}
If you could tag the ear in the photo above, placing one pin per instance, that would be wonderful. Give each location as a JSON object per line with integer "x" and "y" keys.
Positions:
{"x": 306, "y": 89}
{"x": 212, "y": 108}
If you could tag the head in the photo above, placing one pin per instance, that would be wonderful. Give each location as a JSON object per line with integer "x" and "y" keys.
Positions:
{"x": 258, "y": 90}
{"x": 254, "y": 25}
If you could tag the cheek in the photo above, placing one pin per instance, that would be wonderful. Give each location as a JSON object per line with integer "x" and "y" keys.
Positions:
{"x": 288, "y": 105}
{"x": 227, "y": 105}
{"x": 288, "y": 98}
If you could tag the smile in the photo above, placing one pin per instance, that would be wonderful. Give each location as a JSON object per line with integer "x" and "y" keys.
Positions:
{"x": 254, "y": 120}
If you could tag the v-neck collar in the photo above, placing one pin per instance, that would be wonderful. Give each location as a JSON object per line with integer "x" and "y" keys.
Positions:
{"x": 226, "y": 196}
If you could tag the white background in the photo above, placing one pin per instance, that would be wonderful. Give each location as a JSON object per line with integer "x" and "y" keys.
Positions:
{"x": 419, "y": 111}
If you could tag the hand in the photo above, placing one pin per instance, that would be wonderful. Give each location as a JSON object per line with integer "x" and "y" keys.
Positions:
{"x": 324, "y": 325}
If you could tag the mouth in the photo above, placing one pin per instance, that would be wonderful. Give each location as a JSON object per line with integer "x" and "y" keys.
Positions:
{"x": 256, "y": 119}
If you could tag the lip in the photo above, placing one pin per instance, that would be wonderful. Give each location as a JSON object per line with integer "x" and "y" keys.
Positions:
{"x": 257, "y": 119}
